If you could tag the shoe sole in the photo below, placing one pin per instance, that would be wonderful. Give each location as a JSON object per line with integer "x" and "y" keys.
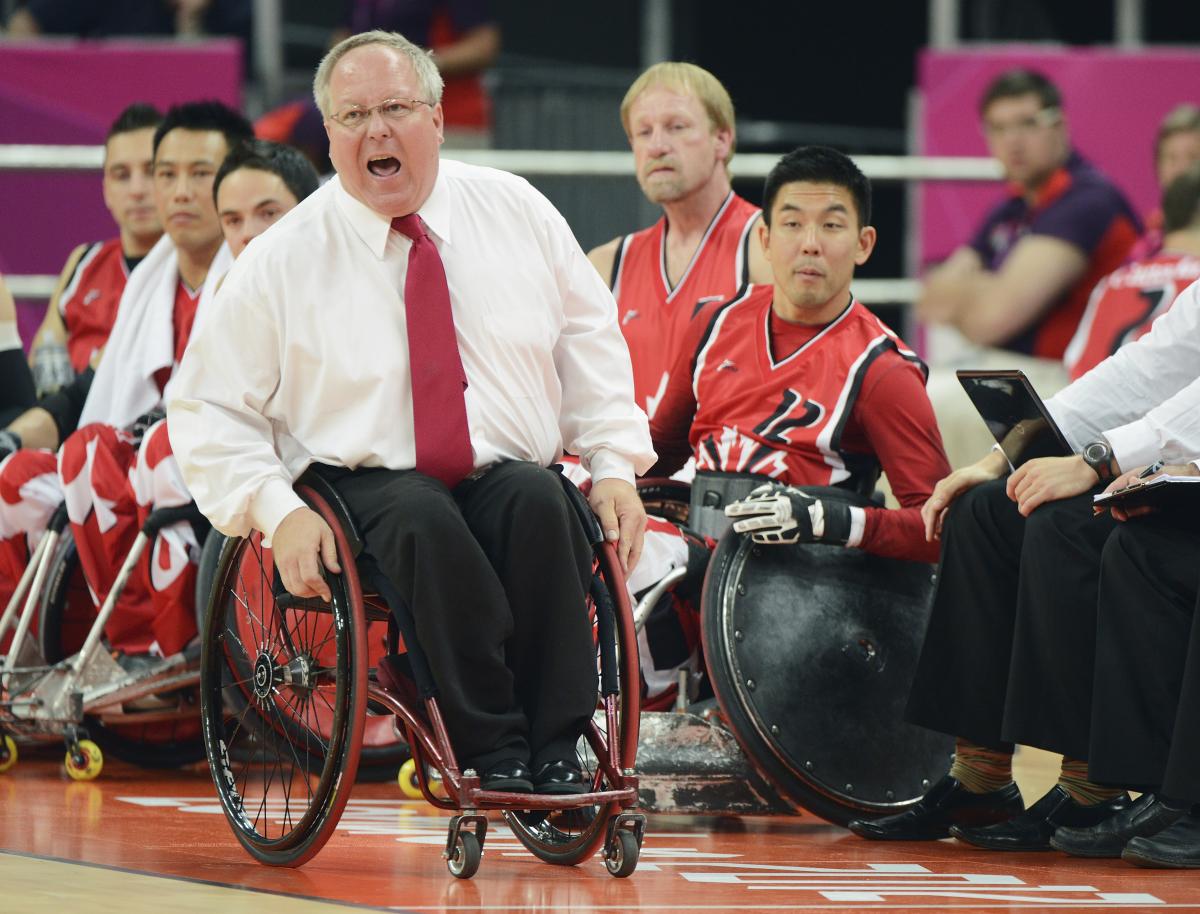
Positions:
{"x": 560, "y": 790}
{"x": 984, "y": 845}
{"x": 1154, "y": 863}
{"x": 1088, "y": 853}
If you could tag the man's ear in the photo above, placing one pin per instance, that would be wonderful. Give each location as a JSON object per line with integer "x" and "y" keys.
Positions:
{"x": 866, "y": 244}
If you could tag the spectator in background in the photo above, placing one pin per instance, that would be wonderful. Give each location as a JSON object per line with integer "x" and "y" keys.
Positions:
{"x": 1176, "y": 149}
{"x": 16, "y": 383}
{"x": 92, "y": 19}
{"x": 1022, "y": 282}
{"x": 1127, "y": 302}
{"x": 83, "y": 306}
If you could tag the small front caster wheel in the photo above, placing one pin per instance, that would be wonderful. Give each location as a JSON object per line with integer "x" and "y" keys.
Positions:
{"x": 467, "y": 854}
{"x": 8, "y": 753}
{"x": 621, "y": 858}
{"x": 84, "y": 761}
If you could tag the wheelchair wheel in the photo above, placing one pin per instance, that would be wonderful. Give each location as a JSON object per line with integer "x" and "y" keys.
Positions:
{"x": 283, "y": 700}
{"x": 65, "y": 615}
{"x": 383, "y": 751}
{"x": 570, "y": 836}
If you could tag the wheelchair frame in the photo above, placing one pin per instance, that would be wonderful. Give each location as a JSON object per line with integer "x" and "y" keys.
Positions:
{"x": 42, "y": 701}
{"x": 610, "y": 803}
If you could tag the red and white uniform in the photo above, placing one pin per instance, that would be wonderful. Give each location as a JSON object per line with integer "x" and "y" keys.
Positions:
{"x": 807, "y": 406}
{"x": 1125, "y": 303}
{"x": 88, "y": 304}
{"x": 653, "y": 315}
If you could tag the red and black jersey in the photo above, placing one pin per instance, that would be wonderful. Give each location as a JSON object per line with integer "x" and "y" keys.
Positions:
{"x": 850, "y": 400}
{"x": 88, "y": 304}
{"x": 654, "y": 315}
{"x": 1125, "y": 304}
{"x": 183, "y": 317}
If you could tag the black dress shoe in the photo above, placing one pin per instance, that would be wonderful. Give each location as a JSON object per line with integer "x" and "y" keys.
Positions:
{"x": 947, "y": 803}
{"x": 510, "y": 776}
{"x": 1147, "y": 816}
{"x": 1175, "y": 847}
{"x": 1032, "y": 829}
{"x": 562, "y": 776}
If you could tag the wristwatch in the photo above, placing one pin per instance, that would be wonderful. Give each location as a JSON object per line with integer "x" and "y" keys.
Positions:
{"x": 1099, "y": 456}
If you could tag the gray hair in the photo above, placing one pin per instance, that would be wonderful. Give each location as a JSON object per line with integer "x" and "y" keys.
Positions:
{"x": 428, "y": 77}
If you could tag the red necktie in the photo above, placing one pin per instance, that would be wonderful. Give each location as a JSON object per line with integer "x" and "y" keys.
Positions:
{"x": 443, "y": 439}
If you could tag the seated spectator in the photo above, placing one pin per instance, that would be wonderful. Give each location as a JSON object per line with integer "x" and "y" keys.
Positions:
{"x": 83, "y": 305}
{"x": 1021, "y": 284}
{"x": 798, "y": 382}
{"x": 1176, "y": 150}
{"x": 1127, "y": 302}
{"x": 93, "y": 421}
{"x": 1010, "y": 651}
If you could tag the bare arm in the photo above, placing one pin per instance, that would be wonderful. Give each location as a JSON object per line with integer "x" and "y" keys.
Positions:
{"x": 52, "y": 329}
{"x": 474, "y": 52}
{"x": 989, "y": 308}
{"x": 36, "y": 429}
{"x": 22, "y": 25}
{"x": 603, "y": 257}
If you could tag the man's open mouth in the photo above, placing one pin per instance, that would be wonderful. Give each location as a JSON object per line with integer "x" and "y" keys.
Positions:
{"x": 383, "y": 166}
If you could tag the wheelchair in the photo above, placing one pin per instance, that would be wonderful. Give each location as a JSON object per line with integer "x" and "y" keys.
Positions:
{"x": 64, "y": 684}
{"x": 809, "y": 650}
{"x": 285, "y": 694}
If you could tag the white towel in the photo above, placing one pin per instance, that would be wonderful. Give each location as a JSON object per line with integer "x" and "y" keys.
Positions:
{"x": 142, "y": 341}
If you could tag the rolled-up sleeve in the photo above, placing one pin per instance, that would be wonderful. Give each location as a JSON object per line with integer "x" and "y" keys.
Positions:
{"x": 1144, "y": 399}
{"x": 215, "y": 413}
{"x": 599, "y": 419}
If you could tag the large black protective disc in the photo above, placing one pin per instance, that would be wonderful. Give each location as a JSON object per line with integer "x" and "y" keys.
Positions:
{"x": 811, "y": 650}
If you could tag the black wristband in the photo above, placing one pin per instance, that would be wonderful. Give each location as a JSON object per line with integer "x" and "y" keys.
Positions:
{"x": 10, "y": 442}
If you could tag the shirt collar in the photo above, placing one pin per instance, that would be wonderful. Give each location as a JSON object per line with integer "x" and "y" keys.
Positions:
{"x": 374, "y": 228}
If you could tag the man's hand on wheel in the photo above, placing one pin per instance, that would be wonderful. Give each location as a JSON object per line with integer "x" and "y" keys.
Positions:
{"x": 775, "y": 514}
{"x": 622, "y": 518}
{"x": 302, "y": 542}
{"x": 933, "y": 512}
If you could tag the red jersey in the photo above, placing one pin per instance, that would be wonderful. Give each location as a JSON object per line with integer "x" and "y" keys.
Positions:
{"x": 654, "y": 315}
{"x": 846, "y": 402}
{"x": 183, "y": 317}
{"x": 1125, "y": 304}
{"x": 88, "y": 304}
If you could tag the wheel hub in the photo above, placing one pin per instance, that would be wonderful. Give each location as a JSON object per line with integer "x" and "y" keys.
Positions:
{"x": 264, "y": 676}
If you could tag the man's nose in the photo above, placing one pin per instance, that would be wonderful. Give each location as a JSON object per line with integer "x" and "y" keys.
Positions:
{"x": 377, "y": 124}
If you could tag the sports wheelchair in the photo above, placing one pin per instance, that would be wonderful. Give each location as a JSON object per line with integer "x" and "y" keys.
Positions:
{"x": 64, "y": 684}
{"x": 274, "y": 665}
{"x": 809, "y": 650}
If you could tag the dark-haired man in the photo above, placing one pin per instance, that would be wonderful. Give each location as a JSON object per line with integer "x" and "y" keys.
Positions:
{"x": 91, "y": 420}
{"x": 1021, "y": 283}
{"x": 798, "y": 382}
{"x": 84, "y": 303}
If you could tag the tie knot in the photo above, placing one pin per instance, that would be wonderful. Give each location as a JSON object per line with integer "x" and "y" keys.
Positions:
{"x": 411, "y": 226}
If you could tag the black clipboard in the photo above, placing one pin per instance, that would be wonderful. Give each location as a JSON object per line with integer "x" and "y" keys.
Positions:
{"x": 1014, "y": 414}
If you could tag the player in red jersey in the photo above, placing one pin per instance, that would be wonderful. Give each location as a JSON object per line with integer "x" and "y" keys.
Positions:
{"x": 1176, "y": 149}
{"x": 84, "y": 304}
{"x": 157, "y": 309}
{"x": 680, "y": 124}
{"x": 1127, "y": 302}
{"x": 800, "y": 383}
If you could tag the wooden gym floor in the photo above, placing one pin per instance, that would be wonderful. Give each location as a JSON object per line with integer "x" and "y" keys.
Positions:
{"x": 137, "y": 841}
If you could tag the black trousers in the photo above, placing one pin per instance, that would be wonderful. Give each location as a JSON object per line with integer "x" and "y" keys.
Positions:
{"x": 1009, "y": 652}
{"x": 1145, "y": 730}
{"x": 494, "y": 573}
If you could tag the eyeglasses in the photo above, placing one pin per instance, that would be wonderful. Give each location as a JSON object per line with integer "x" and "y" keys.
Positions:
{"x": 1047, "y": 117}
{"x": 391, "y": 109}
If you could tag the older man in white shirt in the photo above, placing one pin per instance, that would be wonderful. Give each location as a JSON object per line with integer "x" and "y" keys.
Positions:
{"x": 1010, "y": 652}
{"x": 332, "y": 342}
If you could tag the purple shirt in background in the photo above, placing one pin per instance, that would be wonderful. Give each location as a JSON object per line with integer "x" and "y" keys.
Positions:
{"x": 1080, "y": 206}
{"x": 413, "y": 18}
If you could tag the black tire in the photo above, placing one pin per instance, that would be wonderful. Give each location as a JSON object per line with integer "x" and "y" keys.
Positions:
{"x": 464, "y": 862}
{"x": 162, "y": 744}
{"x": 570, "y": 836}
{"x": 622, "y": 857}
{"x": 378, "y": 762}
{"x": 236, "y": 711}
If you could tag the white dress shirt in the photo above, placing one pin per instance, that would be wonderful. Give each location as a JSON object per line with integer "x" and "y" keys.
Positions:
{"x": 1144, "y": 399}
{"x": 304, "y": 357}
